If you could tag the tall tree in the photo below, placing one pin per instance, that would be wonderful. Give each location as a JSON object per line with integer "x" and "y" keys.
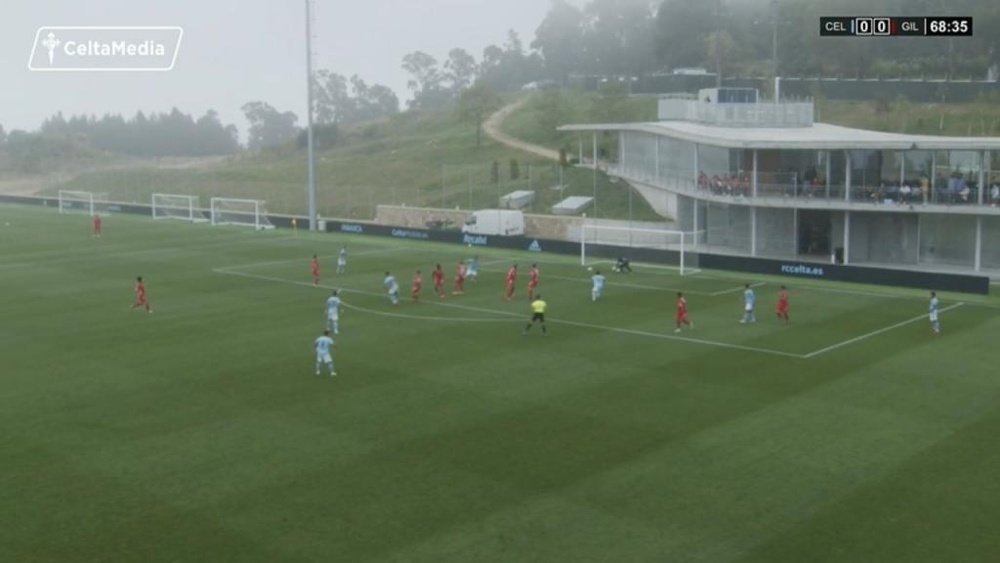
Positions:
{"x": 559, "y": 39}
{"x": 619, "y": 39}
{"x": 460, "y": 70}
{"x": 425, "y": 80}
{"x": 476, "y": 104}
{"x": 268, "y": 126}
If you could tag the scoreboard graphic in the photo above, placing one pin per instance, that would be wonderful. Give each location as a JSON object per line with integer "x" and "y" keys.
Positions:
{"x": 895, "y": 27}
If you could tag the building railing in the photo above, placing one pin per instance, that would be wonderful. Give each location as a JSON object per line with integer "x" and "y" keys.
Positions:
{"x": 783, "y": 114}
{"x": 787, "y": 187}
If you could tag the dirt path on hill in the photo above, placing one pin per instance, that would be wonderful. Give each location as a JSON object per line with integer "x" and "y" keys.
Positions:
{"x": 492, "y": 128}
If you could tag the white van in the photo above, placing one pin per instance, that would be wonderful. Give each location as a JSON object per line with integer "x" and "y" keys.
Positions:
{"x": 506, "y": 222}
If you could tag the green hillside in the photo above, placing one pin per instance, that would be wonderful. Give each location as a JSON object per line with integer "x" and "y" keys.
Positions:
{"x": 417, "y": 159}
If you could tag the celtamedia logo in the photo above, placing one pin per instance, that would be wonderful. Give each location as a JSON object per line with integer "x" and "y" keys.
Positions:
{"x": 107, "y": 48}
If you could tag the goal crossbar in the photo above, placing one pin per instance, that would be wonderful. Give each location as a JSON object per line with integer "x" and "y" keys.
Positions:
{"x": 246, "y": 212}
{"x": 177, "y": 206}
{"x": 619, "y": 241}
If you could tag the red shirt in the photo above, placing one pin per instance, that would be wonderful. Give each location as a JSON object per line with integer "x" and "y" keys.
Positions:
{"x": 418, "y": 281}
{"x": 438, "y": 277}
{"x": 534, "y": 276}
{"x": 511, "y": 276}
{"x": 97, "y": 221}
{"x": 140, "y": 289}
{"x": 460, "y": 272}
{"x": 783, "y": 298}
{"x": 682, "y": 306}
{"x": 314, "y": 264}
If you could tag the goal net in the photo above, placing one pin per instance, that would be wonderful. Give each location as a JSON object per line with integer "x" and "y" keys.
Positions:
{"x": 175, "y": 206}
{"x": 245, "y": 212}
{"x": 605, "y": 244}
{"x": 89, "y": 203}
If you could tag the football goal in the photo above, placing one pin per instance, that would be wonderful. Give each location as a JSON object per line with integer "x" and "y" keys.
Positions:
{"x": 244, "y": 212}
{"x": 600, "y": 243}
{"x": 175, "y": 206}
{"x": 73, "y": 201}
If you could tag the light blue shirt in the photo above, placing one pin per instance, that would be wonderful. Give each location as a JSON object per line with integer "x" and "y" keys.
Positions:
{"x": 598, "y": 281}
{"x": 934, "y": 305}
{"x": 323, "y": 345}
{"x": 342, "y": 257}
{"x": 472, "y": 265}
{"x": 333, "y": 305}
{"x": 749, "y": 297}
{"x": 390, "y": 283}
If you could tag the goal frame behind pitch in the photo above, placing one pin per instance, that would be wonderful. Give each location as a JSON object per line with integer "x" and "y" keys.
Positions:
{"x": 629, "y": 238}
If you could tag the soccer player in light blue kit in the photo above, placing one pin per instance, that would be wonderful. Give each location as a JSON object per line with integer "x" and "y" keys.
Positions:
{"x": 472, "y": 268}
{"x": 598, "y": 289}
{"x": 342, "y": 260}
{"x": 933, "y": 310}
{"x": 749, "y": 300}
{"x": 392, "y": 287}
{"x": 323, "y": 345}
{"x": 333, "y": 312}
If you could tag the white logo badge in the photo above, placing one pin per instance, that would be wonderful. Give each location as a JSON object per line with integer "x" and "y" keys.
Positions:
{"x": 107, "y": 48}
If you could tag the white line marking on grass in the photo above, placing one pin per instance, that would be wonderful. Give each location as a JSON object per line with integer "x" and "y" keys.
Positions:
{"x": 876, "y": 332}
{"x": 649, "y": 287}
{"x": 304, "y": 260}
{"x": 552, "y": 320}
{"x": 424, "y": 318}
{"x": 735, "y": 289}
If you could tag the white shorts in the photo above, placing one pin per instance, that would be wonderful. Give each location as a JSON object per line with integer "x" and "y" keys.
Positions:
{"x": 749, "y": 309}
{"x": 341, "y": 262}
{"x": 934, "y": 317}
{"x": 324, "y": 358}
{"x": 333, "y": 317}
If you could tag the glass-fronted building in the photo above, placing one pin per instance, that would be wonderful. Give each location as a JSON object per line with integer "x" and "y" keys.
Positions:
{"x": 764, "y": 180}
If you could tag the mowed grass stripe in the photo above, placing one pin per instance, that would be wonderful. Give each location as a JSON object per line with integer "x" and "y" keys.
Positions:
{"x": 456, "y": 441}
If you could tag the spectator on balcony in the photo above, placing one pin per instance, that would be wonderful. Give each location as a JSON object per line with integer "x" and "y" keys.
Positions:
{"x": 702, "y": 180}
{"x": 904, "y": 193}
{"x": 925, "y": 188}
{"x": 995, "y": 194}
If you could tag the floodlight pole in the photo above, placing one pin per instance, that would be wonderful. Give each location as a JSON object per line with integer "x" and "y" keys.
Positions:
{"x": 309, "y": 120}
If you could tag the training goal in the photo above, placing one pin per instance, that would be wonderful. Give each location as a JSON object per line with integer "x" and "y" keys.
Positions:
{"x": 244, "y": 212}
{"x": 605, "y": 244}
{"x": 90, "y": 203}
{"x": 176, "y": 206}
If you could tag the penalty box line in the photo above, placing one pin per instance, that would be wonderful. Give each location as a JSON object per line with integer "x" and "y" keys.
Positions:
{"x": 612, "y": 283}
{"x": 233, "y": 272}
{"x": 868, "y": 335}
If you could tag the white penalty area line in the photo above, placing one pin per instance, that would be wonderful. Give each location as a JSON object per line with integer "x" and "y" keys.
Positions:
{"x": 876, "y": 332}
{"x": 303, "y": 259}
{"x": 612, "y": 283}
{"x": 515, "y": 315}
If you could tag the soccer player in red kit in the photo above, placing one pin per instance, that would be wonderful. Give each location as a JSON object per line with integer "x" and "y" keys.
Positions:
{"x": 511, "y": 281}
{"x": 439, "y": 281}
{"x": 783, "y": 304}
{"x": 140, "y": 296}
{"x": 418, "y": 285}
{"x": 682, "y": 313}
{"x": 314, "y": 267}
{"x": 533, "y": 282}
{"x": 97, "y": 226}
{"x": 459, "y": 279}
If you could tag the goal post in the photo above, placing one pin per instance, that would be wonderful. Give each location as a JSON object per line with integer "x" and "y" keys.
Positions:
{"x": 602, "y": 243}
{"x": 75, "y": 201}
{"x": 243, "y": 212}
{"x": 177, "y": 206}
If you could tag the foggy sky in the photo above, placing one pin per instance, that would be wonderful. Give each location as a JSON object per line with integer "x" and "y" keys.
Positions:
{"x": 235, "y": 51}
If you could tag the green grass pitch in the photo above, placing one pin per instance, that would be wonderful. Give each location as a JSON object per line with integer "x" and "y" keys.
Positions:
{"x": 200, "y": 433}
